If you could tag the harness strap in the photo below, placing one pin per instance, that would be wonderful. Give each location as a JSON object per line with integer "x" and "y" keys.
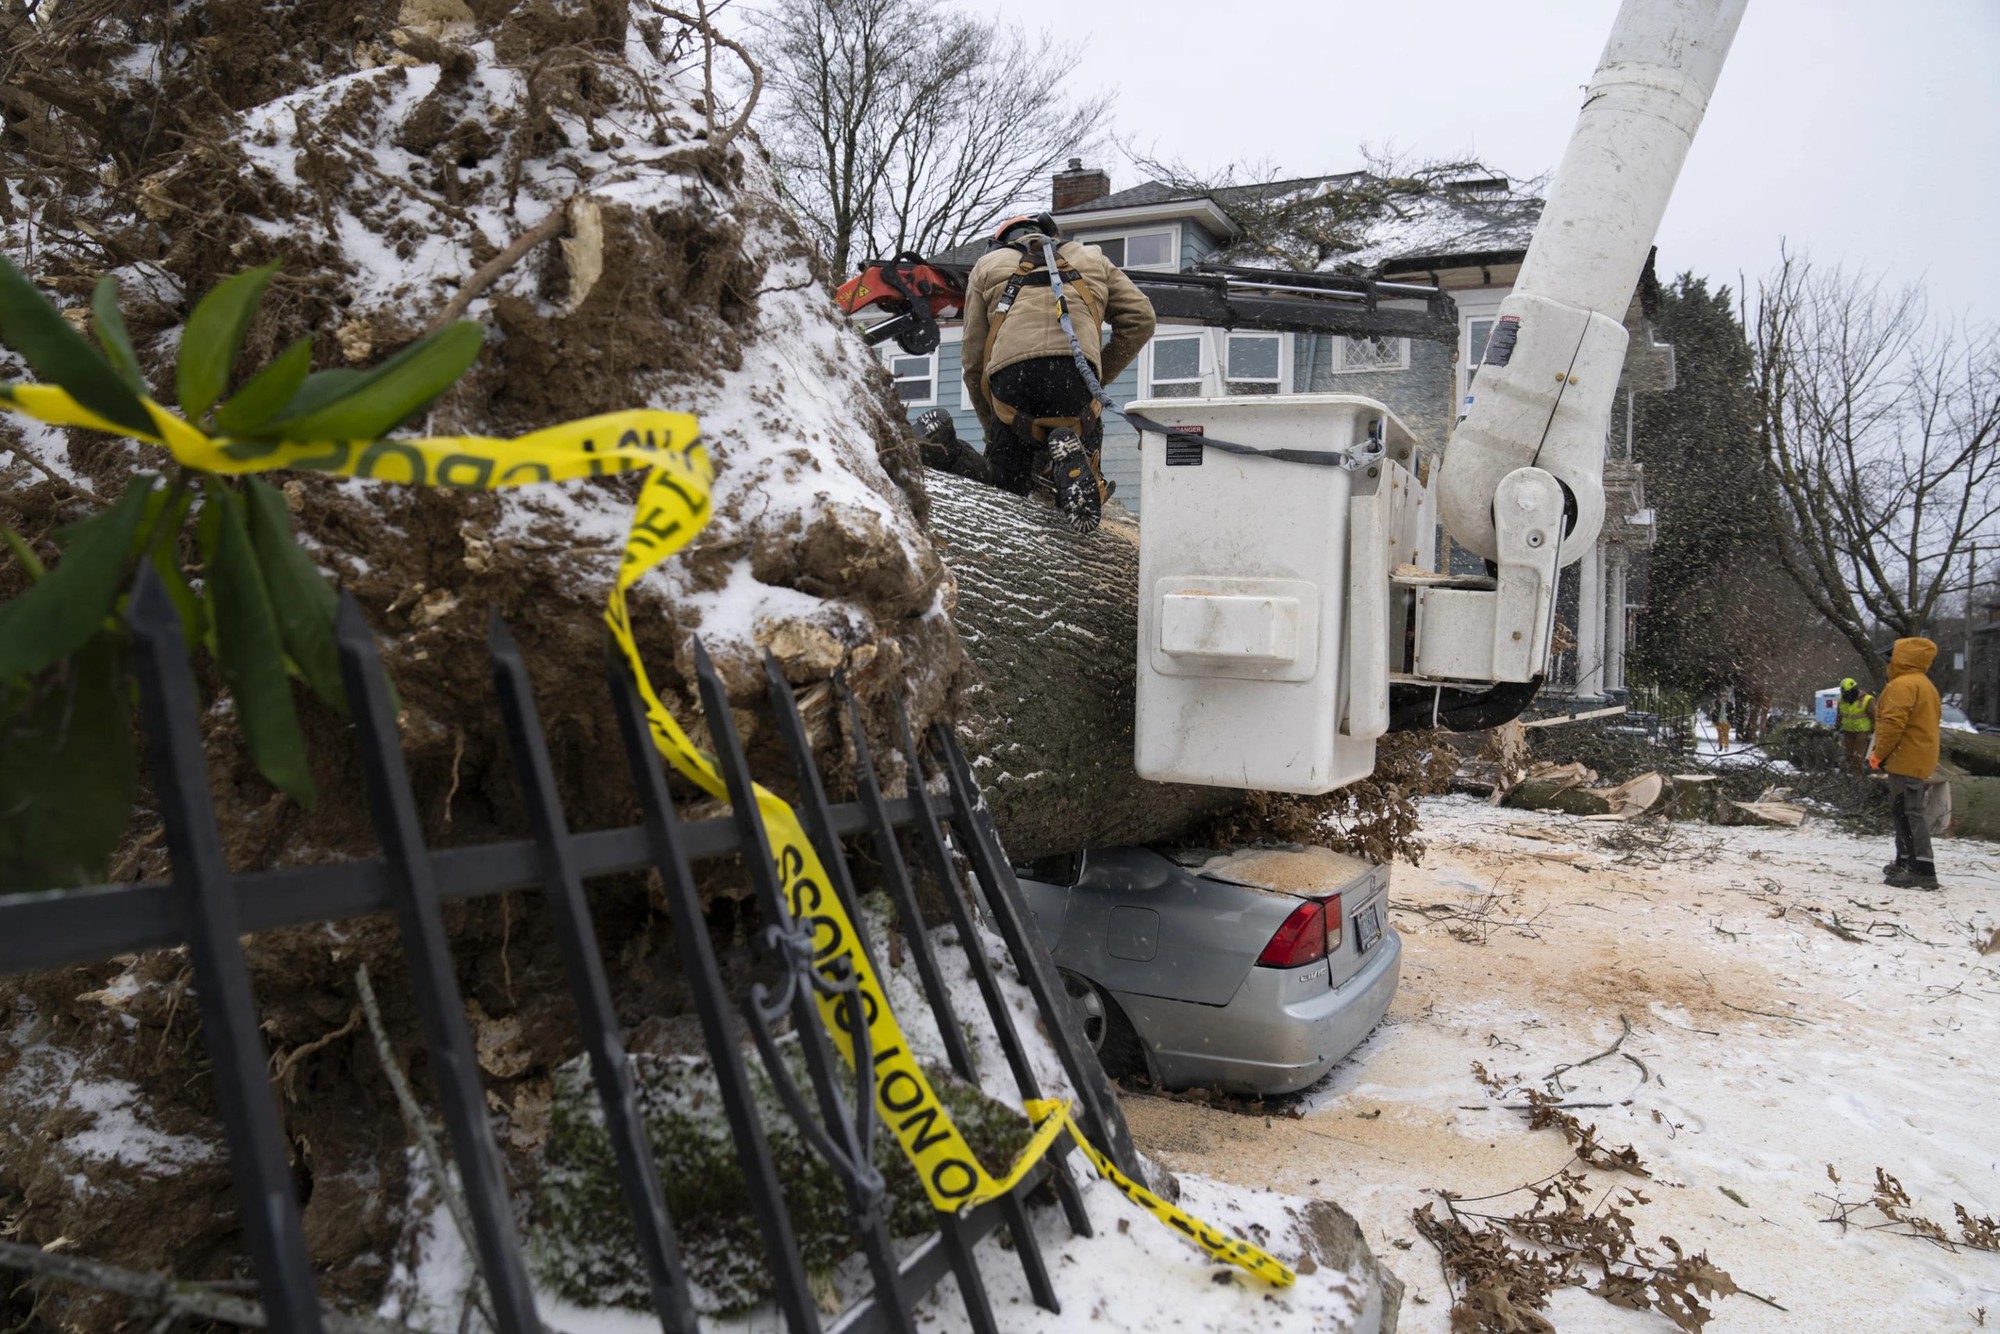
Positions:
{"x": 1000, "y": 309}
{"x": 1350, "y": 459}
{"x": 1040, "y": 427}
{"x": 1050, "y": 273}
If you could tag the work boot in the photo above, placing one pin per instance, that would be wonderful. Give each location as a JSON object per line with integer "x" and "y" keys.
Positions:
{"x": 1917, "y": 875}
{"x": 1894, "y": 869}
{"x": 940, "y": 439}
{"x": 1077, "y": 493}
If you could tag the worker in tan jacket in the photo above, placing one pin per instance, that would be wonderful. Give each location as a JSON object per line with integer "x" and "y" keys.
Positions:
{"x": 1907, "y": 717}
{"x": 1043, "y": 422}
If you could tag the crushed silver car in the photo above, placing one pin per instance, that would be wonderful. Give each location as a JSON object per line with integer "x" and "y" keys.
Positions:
{"x": 1252, "y": 971}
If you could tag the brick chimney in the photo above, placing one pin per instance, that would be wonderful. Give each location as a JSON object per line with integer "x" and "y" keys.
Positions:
{"x": 1076, "y": 187}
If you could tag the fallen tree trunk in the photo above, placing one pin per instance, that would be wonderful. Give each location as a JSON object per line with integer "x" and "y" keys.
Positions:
{"x": 1049, "y": 622}
{"x": 1691, "y": 797}
{"x": 1974, "y": 752}
{"x": 1553, "y": 794}
{"x": 1975, "y": 807}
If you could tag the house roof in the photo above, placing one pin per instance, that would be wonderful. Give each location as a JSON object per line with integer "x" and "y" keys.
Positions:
{"x": 1150, "y": 192}
{"x": 965, "y": 252}
{"x": 1484, "y": 220}
{"x": 1452, "y": 228}
{"x": 1479, "y": 221}
{"x": 1487, "y": 220}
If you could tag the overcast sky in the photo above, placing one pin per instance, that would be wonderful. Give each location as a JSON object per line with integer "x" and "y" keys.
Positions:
{"x": 1861, "y": 130}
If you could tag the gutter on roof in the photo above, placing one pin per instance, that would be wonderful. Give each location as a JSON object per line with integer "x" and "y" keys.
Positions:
{"x": 1467, "y": 259}
{"x": 1201, "y": 207}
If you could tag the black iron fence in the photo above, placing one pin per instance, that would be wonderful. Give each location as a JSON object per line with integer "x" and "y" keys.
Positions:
{"x": 207, "y": 908}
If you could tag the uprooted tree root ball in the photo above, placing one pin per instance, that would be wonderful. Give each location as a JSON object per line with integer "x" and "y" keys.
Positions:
{"x": 388, "y": 157}
{"x": 584, "y": 1247}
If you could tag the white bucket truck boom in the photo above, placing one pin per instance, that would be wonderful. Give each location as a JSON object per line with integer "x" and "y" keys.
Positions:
{"x": 1290, "y": 613}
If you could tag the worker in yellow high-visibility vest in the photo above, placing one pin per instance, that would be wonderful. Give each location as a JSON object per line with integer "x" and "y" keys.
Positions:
{"x": 1856, "y": 711}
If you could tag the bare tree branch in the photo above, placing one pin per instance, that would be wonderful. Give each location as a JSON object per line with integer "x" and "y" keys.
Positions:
{"x": 903, "y": 125}
{"x": 1304, "y": 223}
{"x": 1881, "y": 439}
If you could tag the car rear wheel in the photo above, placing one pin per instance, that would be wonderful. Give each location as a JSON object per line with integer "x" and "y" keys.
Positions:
{"x": 1105, "y": 1027}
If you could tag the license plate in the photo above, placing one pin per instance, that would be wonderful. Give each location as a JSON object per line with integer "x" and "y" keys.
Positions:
{"x": 1368, "y": 927}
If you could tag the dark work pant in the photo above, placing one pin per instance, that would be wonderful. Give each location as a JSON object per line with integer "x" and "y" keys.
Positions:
{"x": 1038, "y": 387}
{"x": 947, "y": 453}
{"x": 1907, "y": 807}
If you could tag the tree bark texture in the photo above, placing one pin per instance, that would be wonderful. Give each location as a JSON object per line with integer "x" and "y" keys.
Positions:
{"x": 1049, "y": 621}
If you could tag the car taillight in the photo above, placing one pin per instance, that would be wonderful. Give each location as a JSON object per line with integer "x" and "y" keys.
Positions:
{"x": 1311, "y": 933}
{"x": 1300, "y": 939}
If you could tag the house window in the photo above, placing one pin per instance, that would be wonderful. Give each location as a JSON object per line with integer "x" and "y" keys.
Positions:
{"x": 1477, "y": 331}
{"x": 1321, "y": 357}
{"x": 915, "y": 377}
{"x": 1141, "y": 250}
{"x": 1255, "y": 364}
{"x": 1476, "y": 334}
{"x": 1176, "y": 367}
{"x": 1369, "y": 353}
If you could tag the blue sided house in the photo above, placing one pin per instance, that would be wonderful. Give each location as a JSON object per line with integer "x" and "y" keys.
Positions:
{"x": 1465, "y": 235}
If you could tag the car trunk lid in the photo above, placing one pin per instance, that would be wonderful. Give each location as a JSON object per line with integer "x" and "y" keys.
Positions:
{"x": 1315, "y": 873}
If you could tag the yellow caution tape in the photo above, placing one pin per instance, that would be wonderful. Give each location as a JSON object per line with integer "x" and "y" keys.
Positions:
{"x": 673, "y": 506}
{"x": 1221, "y": 1246}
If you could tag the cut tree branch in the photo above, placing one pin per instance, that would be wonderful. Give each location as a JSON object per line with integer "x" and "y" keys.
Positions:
{"x": 420, "y": 1130}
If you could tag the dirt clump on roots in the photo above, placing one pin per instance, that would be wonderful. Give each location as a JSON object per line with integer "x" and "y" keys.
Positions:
{"x": 382, "y": 153}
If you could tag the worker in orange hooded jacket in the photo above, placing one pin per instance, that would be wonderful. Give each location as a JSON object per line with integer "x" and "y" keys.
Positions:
{"x": 1907, "y": 715}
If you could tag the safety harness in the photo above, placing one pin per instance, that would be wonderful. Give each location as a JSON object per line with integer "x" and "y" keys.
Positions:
{"x": 1049, "y": 271}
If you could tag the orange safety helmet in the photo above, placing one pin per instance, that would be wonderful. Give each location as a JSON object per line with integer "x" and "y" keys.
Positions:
{"x": 1041, "y": 222}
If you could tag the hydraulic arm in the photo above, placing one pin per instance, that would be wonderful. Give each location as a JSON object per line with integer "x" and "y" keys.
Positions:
{"x": 1291, "y": 612}
{"x": 1522, "y": 481}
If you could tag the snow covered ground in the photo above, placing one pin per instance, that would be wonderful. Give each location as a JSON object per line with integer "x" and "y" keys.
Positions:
{"x": 1712, "y": 755}
{"x": 1766, "y": 1048}
{"x": 1134, "y": 1274}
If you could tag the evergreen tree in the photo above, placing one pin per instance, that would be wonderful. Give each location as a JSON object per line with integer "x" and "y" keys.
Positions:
{"x": 1698, "y": 443}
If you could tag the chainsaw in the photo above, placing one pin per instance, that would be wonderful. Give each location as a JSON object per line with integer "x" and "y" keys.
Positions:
{"x": 913, "y": 293}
